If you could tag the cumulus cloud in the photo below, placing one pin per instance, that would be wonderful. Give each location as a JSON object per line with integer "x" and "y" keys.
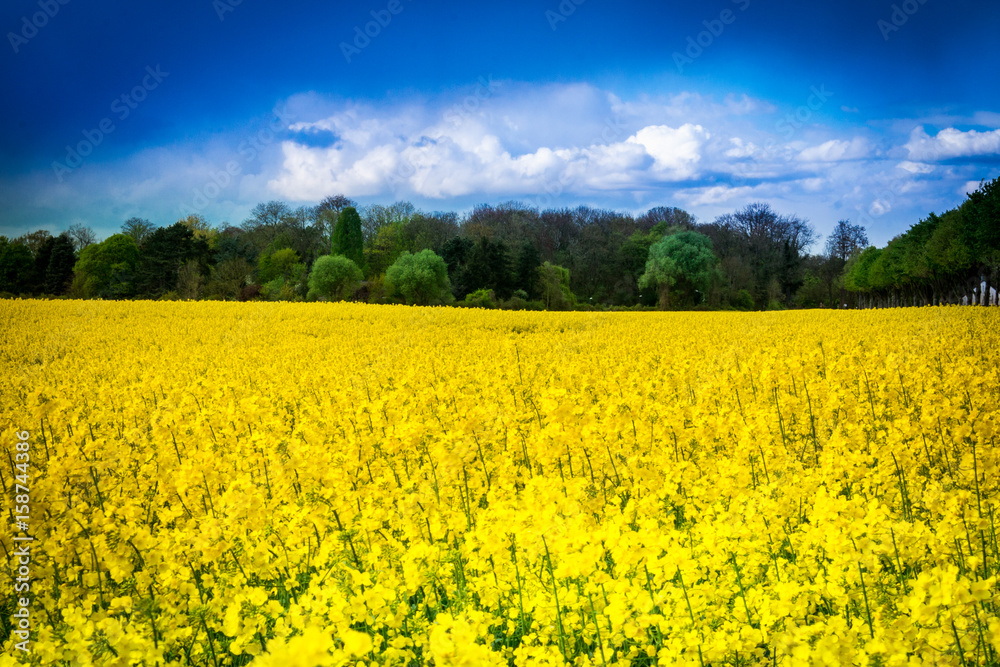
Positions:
{"x": 951, "y": 143}
{"x": 675, "y": 152}
{"x": 454, "y": 155}
{"x": 916, "y": 167}
{"x": 836, "y": 150}
{"x": 740, "y": 148}
{"x": 717, "y": 194}
{"x": 548, "y": 144}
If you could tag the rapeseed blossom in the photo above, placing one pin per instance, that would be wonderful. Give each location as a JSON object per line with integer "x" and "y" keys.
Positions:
{"x": 342, "y": 484}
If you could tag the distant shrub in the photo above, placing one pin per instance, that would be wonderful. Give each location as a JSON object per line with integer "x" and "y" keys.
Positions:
{"x": 481, "y": 298}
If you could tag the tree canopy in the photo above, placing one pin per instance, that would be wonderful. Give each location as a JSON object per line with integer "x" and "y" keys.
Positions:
{"x": 347, "y": 238}
{"x": 334, "y": 277}
{"x": 683, "y": 259}
{"x": 420, "y": 279}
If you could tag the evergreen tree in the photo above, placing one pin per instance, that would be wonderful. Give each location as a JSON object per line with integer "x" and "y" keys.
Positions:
{"x": 17, "y": 267}
{"x": 526, "y": 269}
{"x": 347, "y": 238}
{"x": 163, "y": 253}
{"x": 42, "y": 256}
{"x": 59, "y": 271}
{"x": 455, "y": 253}
{"x": 489, "y": 267}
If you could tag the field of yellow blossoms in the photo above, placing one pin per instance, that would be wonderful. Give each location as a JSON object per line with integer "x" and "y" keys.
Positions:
{"x": 294, "y": 485}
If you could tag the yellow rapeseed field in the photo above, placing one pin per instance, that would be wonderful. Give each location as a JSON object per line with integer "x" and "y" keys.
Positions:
{"x": 335, "y": 484}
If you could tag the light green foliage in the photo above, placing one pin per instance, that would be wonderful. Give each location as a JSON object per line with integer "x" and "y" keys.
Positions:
{"x": 684, "y": 259}
{"x": 420, "y": 279}
{"x": 389, "y": 242}
{"x": 334, "y": 277}
{"x": 482, "y": 298}
{"x": 553, "y": 284}
{"x": 857, "y": 273}
{"x": 277, "y": 264}
{"x": 278, "y": 289}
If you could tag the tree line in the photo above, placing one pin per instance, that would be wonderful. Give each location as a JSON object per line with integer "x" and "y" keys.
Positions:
{"x": 951, "y": 258}
{"x": 505, "y": 255}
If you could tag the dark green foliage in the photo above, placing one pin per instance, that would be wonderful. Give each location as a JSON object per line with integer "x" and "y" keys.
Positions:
{"x": 107, "y": 269}
{"x": 234, "y": 243}
{"x": 347, "y": 238}
{"x": 982, "y": 216}
{"x": 526, "y": 270}
{"x": 431, "y": 231}
{"x": 163, "y": 254}
{"x": 229, "y": 278}
{"x": 17, "y": 267}
{"x": 456, "y": 252}
{"x": 34, "y": 240}
{"x": 761, "y": 252}
{"x": 488, "y": 267}
{"x": 941, "y": 259}
{"x": 59, "y": 269}
{"x": 42, "y": 256}
{"x": 389, "y": 242}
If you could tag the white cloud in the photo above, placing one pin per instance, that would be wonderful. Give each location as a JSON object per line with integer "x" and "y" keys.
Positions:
{"x": 468, "y": 154}
{"x": 951, "y": 143}
{"x": 740, "y": 148}
{"x": 968, "y": 188}
{"x": 880, "y": 207}
{"x": 548, "y": 144}
{"x": 717, "y": 194}
{"x": 836, "y": 150}
{"x": 915, "y": 167}
{"x": 676, "y": 152}
{"x": 812, "y": 184}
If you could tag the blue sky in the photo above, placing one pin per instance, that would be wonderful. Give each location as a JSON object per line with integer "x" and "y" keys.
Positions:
{"x": 879, "y": 112}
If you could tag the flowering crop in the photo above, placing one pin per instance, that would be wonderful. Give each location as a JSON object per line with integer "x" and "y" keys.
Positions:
{"x": 315, "y": 484}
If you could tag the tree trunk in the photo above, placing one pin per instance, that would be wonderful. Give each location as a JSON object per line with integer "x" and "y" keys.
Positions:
{"x": 664, "y": 290}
